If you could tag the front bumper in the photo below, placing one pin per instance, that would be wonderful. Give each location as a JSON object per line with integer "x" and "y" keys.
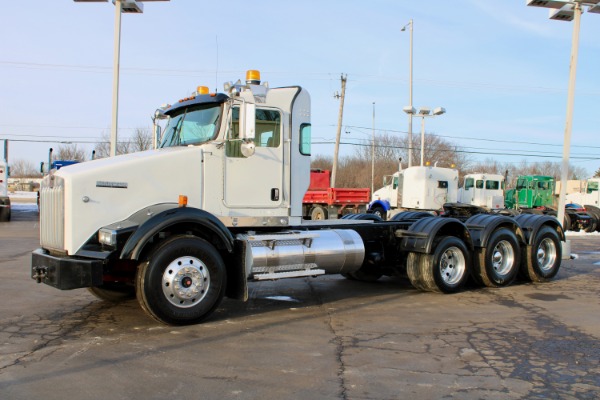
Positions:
{"x": 65, "y": 272}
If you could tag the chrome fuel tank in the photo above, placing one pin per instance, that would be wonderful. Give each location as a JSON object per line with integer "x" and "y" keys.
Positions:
{"x": 302, "y": 253}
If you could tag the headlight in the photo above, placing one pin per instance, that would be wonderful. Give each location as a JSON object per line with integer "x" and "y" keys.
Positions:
{"x": 107, "y": 237}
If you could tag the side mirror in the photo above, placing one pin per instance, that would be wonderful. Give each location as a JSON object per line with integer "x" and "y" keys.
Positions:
{"x": 157, "y": 135}
{"x": 247, "y": 121}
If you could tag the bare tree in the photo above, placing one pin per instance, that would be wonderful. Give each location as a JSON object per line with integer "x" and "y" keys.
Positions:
{"x": 24, "y": 169}
{"x": 69, "y": 152}
{"x": 141, "y": 140}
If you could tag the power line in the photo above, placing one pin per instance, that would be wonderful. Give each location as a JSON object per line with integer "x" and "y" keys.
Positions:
{"x": 479, "y": 139}
{"x": 470, "y": 152}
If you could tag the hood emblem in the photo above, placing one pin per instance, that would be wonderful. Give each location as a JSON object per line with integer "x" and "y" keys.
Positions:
{"x": 108, "y": 184}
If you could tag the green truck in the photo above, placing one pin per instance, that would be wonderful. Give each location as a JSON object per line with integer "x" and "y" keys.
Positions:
{"x": 534, "y": 194}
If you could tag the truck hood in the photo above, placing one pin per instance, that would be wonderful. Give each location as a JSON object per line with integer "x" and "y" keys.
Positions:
{"x": 101, "y": 192}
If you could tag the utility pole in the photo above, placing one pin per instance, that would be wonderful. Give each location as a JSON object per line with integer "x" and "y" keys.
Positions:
{"x": 373, "y": 154}
{"x": 339, "y": 130}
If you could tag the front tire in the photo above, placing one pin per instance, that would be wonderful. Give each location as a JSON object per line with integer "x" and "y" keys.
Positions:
{"x": 318, "y": 213}
{"x": 380, "y": 212}
{"x": 113, "y": 292}
{"x": 445, "y": 271}
{"x": 183, "y": 281}
{"x": 498, "y": 264}
{"x": 544, "y": 256}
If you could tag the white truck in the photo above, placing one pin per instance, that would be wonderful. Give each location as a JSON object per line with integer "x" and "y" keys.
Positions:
{"x": 422, "y": 188}
{"x": 483, "y": 190}
{"x": 219, "y": 204}
{"x": 589, "y": 197}
{"x": 4, "y": 199}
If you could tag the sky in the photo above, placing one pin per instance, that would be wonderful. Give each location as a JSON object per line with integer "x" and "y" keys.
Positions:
{"x": 498, "y": 67}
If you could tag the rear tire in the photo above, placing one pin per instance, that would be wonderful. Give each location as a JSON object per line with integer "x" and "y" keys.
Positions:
{"x": 498, "y": 264}
{"x": 445, "y": 271}
{"x": 543, "y": 257}
{"x": 183, "y": 281}
{"x": 593, "y": 223}
{"x": 318, "y": 213}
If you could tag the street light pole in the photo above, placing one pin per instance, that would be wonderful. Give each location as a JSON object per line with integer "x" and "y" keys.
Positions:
{"x": 424, "y": 112}
{"x": 564, "y": 176}
{"x": 116, "y": 68}
{"x": 410, "y": 91}
{"x": 131, "y": 6}
{"x": 567, "y": 10}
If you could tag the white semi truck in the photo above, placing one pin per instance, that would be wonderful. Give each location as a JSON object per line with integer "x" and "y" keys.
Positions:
{"x": 219, "y": 204}
{"x": 483, "y": 190}
{"x": 4, "y": 199}
{"x": 589, "y": 197}
{"x": 421, "y": 188}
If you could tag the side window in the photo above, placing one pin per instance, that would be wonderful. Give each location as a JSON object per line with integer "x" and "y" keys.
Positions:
{"x": 268, "y": 128}
{"x": 267, "y": 131}
{"x": 469, "y": 183}
{"x": 493, "y": 185}
{"x": 479, "y": 184}
{"x": 305, "y": 139}
{"x": 443, "y": 184}
{"x": 592, "y": 187}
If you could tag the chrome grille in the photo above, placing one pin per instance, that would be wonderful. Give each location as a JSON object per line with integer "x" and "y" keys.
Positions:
{"x": 52, "y": 213}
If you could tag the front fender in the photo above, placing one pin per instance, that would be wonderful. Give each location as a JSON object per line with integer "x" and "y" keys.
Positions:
{"x": 190, "y": 217}
{"x": 381, "y": 203}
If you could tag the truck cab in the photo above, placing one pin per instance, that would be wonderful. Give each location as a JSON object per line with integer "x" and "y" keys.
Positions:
{"x": 483, "y": 190}
{"x": 531, "y": 191}
{"x": 423, "y": 188}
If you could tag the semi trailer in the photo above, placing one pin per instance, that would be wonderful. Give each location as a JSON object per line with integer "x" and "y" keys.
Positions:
{"x": 219, "y": 204}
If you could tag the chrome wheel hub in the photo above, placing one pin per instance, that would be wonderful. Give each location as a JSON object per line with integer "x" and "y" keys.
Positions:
{"x": 185, "y": 281}
{"x": 452, "y": 265}
{"x": 546, "y": 254}
{"x": 503, "y": 257}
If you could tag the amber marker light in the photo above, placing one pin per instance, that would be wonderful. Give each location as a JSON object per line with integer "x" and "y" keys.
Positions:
{"x": 182, "y": 200}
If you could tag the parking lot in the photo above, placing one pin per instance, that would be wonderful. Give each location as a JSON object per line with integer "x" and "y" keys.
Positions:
{"x": 309, "y": 338}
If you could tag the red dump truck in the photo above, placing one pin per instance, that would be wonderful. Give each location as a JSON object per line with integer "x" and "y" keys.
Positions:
{"x": 321, "y": 201}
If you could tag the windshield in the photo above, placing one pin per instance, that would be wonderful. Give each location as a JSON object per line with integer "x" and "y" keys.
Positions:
{"x": 192, "y": 125}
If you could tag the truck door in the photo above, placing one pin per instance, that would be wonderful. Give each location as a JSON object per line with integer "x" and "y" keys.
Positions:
{"x": 441, "y": 193}
{"x": 255, "y": 181}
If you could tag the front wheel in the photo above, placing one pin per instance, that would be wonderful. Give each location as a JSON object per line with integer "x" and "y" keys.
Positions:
{"x": 446, "y": 270}
{"x": 498, "y": 264}
{"x": 183, "y": 281}
{"x": 544, "y": 256}
{"x": 318, "y": 213}
{"x": 113, "y": 292}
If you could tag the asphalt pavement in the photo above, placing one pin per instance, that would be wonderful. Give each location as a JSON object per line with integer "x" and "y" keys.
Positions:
{"x": 305, "y": 338}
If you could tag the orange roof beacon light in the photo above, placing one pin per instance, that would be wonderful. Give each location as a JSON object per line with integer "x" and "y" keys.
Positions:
{"x": 202, "y": 90}
{"x": 253, "y": 77}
